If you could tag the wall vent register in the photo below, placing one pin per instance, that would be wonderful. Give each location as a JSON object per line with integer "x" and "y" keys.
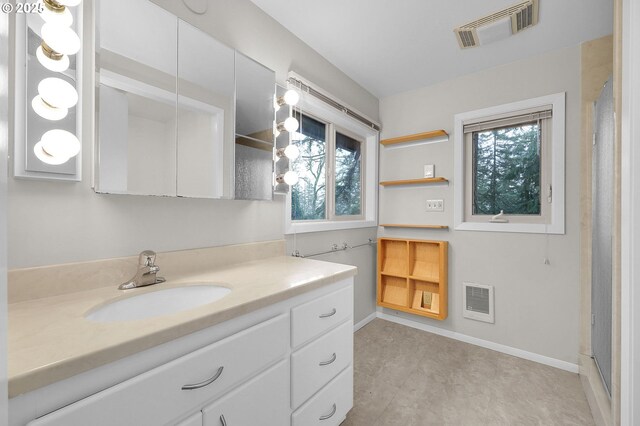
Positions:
{"x": 477, "y": 302}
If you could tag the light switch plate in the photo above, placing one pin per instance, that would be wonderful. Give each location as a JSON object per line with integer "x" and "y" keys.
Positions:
{"x": 435, "y": 205}
{"x": 429, "y": 170}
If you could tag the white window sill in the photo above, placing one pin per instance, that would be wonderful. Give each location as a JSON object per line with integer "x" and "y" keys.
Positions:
{"x": 301, "y": 228}
{"x": 526, "y": 228}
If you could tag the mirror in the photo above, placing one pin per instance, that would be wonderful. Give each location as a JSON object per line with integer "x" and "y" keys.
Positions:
{"x": 165, "y": 104}
{"x": 255, "y": 114}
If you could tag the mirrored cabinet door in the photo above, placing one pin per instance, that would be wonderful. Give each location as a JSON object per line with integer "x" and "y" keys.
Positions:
{"x": 255, "y": 88}
{"x": 205, "y": 114}
{"x": 137, "y": 114}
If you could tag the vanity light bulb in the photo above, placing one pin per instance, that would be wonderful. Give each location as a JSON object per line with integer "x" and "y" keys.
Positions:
{"x": 46, "y": 158}
{"x": 292, "y": 152}
{"x": 58, "y": 93}
{"x": 291, "y": 178}
{"x": 291, "y": 124}
{"x": 291, "y": 97}
{"x": 60, "y": 143}
{"x": 56, "y": 14}
{"x": 55, "y": 65}
{"x": 47, "y": 111}
{"x": 69, "y": 3}
{"x": 60, "y": 38}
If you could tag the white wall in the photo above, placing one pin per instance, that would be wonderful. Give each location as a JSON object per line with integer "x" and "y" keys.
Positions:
{"x": 54, "y": 223}
{"x": 536, "y": 305}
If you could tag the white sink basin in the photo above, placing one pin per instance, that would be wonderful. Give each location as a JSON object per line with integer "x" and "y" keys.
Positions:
{"x": 158, "y": 303}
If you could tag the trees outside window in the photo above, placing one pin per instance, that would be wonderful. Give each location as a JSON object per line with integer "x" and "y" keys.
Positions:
{"x": 330, "y": 172}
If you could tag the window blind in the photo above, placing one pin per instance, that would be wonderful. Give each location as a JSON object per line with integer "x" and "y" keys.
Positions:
{"x": 500, "y": 121}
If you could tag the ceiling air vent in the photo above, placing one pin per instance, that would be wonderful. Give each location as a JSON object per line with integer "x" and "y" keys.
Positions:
{"x": 498, "y": 25}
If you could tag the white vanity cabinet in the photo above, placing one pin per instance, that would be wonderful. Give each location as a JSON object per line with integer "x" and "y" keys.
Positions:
{"x": 262, "y": 401}
{"x": 292, "y": 364}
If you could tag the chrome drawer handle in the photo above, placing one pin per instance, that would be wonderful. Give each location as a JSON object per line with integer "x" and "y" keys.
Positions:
{"x": 222, "y": 420}
{"x": 330, "y": 314}
{"x": 328, "y": 416}
{"x": 333, "y": 358}
{"x": 205, "y": 383}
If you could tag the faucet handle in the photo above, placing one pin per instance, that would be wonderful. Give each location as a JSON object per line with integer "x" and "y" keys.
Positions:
{"x": 147, "y": 258}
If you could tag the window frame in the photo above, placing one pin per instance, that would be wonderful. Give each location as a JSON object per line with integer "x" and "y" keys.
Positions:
{"x": 338, "y": 121}
{"x": 553, "y": 220}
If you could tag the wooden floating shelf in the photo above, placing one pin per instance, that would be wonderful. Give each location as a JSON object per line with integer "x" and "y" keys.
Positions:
{"x": 416, "y": 137}
{"x": 399, "y": 225}
{"x": 414, "y": 181}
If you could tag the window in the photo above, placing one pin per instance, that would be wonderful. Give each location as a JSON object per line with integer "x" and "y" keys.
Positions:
{"x": 337, "y": 169}
{"x": 510, "y": 160}
{"x": 330, "y": 172}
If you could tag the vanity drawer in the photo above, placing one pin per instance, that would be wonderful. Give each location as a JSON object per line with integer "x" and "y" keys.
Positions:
{"x": 330, "y": 406}
{"x": 162, "y": 394}
{"x": 264, "y": 401}
{"x": 317, "y": 363}
{"x": 317, "y": 316}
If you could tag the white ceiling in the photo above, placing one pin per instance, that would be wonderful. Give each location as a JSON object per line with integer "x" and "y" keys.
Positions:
{"x": 392, "y": 46}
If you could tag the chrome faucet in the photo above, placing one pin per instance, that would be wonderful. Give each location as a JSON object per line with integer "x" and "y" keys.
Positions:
{"x": 147, "y": 270}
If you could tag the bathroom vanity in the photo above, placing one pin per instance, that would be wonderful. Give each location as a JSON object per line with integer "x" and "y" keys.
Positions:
{"x": 277, "y": 350}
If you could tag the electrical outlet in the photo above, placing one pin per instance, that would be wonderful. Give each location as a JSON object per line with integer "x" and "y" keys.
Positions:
{"x": 435, "y": 205}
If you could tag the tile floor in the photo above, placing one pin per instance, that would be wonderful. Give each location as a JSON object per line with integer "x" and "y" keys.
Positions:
{"x": 407, "y": 377}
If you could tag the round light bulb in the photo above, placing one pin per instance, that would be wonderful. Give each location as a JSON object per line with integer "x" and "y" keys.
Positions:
{"x": 291, "y": 124}
{"x": 55, "y": 65}
{"x": 291, "y": 97}
{"x": 291, "y": 178}
{"x": 292, "y": 152}
{"x": 69, "y": 3}
{"x": 61, "y": 16}
{"x": 47, "y": 158}
{"x": 47, "y": 111}
{"x": 60, "y": 38}
{"x": 60, "y": 143}
{"x": 58, "y": 93}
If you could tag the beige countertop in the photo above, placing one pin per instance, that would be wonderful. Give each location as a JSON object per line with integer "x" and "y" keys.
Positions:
{"x": 50, "y": 340}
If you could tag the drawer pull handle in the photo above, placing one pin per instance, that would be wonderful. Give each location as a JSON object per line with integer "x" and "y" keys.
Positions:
{"x": 222, "y": 420}
{"x": 328, "y": 416}
{"x": 330, "y": 314}
{"x": 205, "y": 383}
{"x": 333, "y": 358}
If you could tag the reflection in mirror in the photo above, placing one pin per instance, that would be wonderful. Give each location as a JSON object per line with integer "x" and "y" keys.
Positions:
{"x": 255, "y": 87}
{"x": 205, "y": 113}
{"x": 166, "y": 104}
{"x": 137, "y": 98}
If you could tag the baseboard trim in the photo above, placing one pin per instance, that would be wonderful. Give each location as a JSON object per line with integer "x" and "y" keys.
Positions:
{"x": 562, "y": 365}
{"x": 365, "y": 321}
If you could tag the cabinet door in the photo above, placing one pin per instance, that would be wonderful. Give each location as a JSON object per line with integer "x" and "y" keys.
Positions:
{"x": 262, "y": 401}
{"x": 193, "y": 420}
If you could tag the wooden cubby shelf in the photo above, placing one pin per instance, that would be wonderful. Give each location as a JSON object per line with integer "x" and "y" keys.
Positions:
{"x": 414, "y": 181}
{"x": 412, "y": 276}
{"x": 400, "y": 225}
{"x": 415, "y": 137}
